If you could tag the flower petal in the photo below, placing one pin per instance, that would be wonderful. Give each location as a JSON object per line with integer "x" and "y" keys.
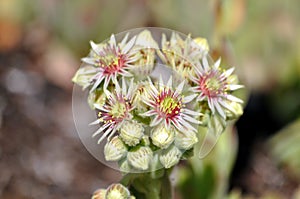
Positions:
{"x": 189, "y": 98}
{"x": 105, "y": 134}
{"x": 129, "y": 45}
{"x": 233, "y": 98}
{"x": 234, "y": 87}
{"x": 179, "y": 88}
{"x": 89, "y": 60}
{"x": 219, "y": 108}
{"x": 156, "y": 121}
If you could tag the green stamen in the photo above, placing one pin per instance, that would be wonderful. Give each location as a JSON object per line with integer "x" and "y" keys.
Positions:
{"x": 118, "y": 110}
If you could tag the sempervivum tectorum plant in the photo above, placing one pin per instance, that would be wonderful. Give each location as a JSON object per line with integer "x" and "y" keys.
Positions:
{"x": 149, "y": 120}
{"x": 150, "y": 96}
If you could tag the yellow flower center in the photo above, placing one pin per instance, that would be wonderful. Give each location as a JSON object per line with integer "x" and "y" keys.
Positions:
{"x": 168, "y": 105}
{"x": 110, "y": 60}
{"x": 118, "y": 110}
{"x": 213, "y": 84}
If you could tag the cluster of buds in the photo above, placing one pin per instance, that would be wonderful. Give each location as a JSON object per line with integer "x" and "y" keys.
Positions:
{"x": 114, "y": 191}
{"x": 136, "y": 151}
{"x": 148, "y": 122}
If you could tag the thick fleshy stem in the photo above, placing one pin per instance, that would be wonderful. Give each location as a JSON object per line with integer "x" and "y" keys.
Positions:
{"x": 154, "y": 185}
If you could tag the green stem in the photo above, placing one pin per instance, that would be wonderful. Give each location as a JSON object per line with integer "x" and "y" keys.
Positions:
{"x": 150, "y": 185}
{"x": 166, "y": 191}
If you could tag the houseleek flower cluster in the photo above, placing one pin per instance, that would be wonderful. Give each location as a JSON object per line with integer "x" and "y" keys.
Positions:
{"x": 149, "y": 122}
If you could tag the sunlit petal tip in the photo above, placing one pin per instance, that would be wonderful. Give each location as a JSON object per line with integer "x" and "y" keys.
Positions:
{"x": 235, "y": 99}
{"x": 217, "y": 63}
{"x": 124, "y": 40}
{"x": 112, "y": 41}
{"x": 235, "y": 87}
{"x": 88, "y": 60}
{"x": 205, "y": 64}
{"x": 228, "y": 72}
{"x": 94, "y": 122}
{"x": 169, "y": 83}
{"x": 94, "y": 46}
{"x": 180, "y": 87}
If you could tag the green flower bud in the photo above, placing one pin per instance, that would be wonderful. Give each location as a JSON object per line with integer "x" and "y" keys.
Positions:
{"x": 235, "y": 111}
{"x": 185, "y": 140}
{"x": 202, "y": 42}
{"x": 162, "y": 136}
{"x": 99, "y": 194}
{"x": 131, "y": 132}
{"x": 141, "y": 158}
{"x": 146, "y": 40}
{"x": 114, "y": 149}
{"x": 117, "y": 191}
{"x": 83, "y": 76}
{"x": 124, "y": 166}
{"x": 170, "y": 157}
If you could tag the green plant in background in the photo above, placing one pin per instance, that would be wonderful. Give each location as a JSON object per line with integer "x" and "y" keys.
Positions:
{"x": 151, "y": 120}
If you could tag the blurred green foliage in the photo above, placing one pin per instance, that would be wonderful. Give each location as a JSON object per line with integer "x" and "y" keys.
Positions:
{"x": 285, "y": 148}
{"x": 208, "y": 178}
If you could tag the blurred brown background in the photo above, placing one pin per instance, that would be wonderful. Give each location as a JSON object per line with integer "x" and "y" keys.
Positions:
{"x": 42, "y": 41}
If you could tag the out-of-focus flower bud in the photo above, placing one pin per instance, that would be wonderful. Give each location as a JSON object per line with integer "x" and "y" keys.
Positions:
{"x": 185, "y": 140}
{"x": 83, "y": 76}
{"x": 236, "y": 110}
{"x": 99, "y": 194}
{"x": 117, "y": 191}
{"x": 202, "y": 42}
